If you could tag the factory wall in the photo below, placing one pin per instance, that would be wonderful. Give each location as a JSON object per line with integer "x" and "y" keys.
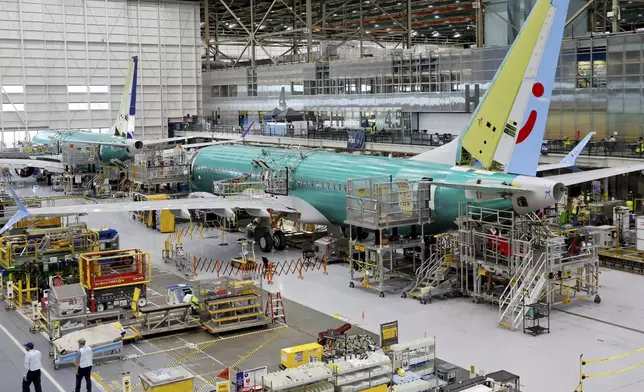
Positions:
{"x": 63, "y": 63}
{"x": 598, "y": 87}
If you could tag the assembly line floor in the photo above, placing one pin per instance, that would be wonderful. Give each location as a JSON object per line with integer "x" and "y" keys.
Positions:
{"x": 467, "y": 333}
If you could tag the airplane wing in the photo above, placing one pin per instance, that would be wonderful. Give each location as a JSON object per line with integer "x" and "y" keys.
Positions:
{"x": 166, "y": 140}
{"x": 206, "y": 203}
{"x": 486, "y": 188}
{"x": 590, "y": 175}
{"x": 97, "y": 143}
{"x": 206, "y": 144}
{"x": 570, "y": 159}
{"x": 19, "y": 164}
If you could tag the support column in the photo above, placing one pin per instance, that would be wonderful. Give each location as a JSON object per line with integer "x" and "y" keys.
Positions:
{"x": 408, "y": 24}
{"x": 478, "y": 4}
{"x": 216, "y": 36}
{"x": 309, "y": 31}
{"x": 206, "y": 11}
{"x": 361, "y": 28}
{"x": 252, "y": 33}
{"x": 605, "y": 189}
{"x": 615, "y": 10}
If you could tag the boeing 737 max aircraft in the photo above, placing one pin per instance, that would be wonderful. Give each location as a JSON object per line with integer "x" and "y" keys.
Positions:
{"x": 506, "y": 131}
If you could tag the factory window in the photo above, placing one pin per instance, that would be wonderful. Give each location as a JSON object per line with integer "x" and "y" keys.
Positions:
{"x": 297, "y": 88}
{"x": 12, "y": 89}
{"x": 76, "y": 89}
{"x": 591, "y": 67}
{"x": 99, "y": 89}
{"x": 224, "y": 91}
{"x": 78, "y": 106}
{"x": 13, "y": 107}
{"x": 99, "y": 106}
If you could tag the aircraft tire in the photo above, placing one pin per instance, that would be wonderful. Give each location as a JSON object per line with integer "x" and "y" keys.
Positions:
{"x": 279, "y": 240}
{"x": 264, "y": 238}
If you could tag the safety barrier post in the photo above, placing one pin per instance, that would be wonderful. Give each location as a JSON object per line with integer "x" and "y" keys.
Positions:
{"x": 126, "y": 382}
{"x": 269, "y": 273}
{"x": 34, "y": 317}
{"x": 11, "y": 305}
{"x": 201, "y": 231}
{"x": 299, "y": 267}
{"x": 580, "y": 387}
{"x": 194, "y": 267}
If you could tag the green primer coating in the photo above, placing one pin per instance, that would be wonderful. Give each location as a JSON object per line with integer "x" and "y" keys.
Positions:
{"x": 320, "y": 168}
{"x": 107, "y": 153}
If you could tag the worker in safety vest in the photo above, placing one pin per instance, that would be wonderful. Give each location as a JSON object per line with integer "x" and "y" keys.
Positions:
{"x": 193, "y": 301}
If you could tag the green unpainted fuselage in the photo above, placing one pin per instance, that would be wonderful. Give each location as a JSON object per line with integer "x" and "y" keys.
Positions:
{"x": 106, "y": 153}
{"x": 320, "y": 176}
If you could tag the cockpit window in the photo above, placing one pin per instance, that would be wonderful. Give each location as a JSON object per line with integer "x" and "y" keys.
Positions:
{"x": 522, "y": 201}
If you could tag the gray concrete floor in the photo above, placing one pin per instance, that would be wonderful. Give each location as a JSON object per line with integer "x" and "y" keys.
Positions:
{"x": 466, "y": 333}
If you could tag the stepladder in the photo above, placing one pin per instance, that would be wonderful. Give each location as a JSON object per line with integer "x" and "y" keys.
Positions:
{"x": 275, "y": 307}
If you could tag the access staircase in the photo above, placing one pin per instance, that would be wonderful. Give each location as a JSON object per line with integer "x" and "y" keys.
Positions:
{"x": 527, "y": 286}
{"x": 426, "y": 277}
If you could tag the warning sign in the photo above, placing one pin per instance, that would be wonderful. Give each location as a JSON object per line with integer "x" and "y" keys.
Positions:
{"x": 389, "y": 333}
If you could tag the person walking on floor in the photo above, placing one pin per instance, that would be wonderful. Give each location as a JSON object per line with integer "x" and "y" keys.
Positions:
{"x": 33, "y": 363}
{"x": 84, "y": 361}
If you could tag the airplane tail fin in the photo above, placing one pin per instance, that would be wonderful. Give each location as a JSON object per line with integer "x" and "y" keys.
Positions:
{"x": 247, "y": 129}
{"x": 508, "y": 125}
{"x": 124, "y": 126}
{"x": 572, "y": 156}
{"x": 20, "y": 214}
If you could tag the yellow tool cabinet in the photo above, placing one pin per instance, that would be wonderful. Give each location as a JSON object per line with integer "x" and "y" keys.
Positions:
{"x": 175, "y": 379}
{"x": 299, "y": 355}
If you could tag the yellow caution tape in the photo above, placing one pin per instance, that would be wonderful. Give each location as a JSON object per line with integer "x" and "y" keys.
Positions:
{"x": 585, "y": 362}
{"x": 611, "y": 373}
{"x": 245, "y": 357}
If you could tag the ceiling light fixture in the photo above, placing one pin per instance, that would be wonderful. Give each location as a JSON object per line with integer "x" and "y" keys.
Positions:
{"x": 457, "y": 35}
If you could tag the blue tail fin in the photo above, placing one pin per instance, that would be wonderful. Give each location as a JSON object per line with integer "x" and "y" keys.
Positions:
{"x": 248, "y": 129}
{"x": 576, "y": 152}
{"x": 19, "y": 215}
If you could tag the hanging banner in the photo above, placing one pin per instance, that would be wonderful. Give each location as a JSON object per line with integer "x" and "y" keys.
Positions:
{"x": 388, "y": 333}
{"x": 356, "y": 140}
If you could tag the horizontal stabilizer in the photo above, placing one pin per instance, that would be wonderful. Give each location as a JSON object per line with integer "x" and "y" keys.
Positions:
{"x": 590, "y": 175}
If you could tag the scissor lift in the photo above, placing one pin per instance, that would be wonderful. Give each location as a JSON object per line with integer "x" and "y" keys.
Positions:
{"x": 110, "y": 277}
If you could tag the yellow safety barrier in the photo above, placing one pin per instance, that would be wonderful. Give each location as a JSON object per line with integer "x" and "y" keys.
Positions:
{"x": 584, "y": 376}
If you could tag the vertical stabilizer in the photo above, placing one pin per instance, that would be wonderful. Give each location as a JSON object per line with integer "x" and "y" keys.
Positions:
{"x": 497, "y": 123}
{"x": 525, "y": 155}
{"x": 124, "y": 126}
{"x": 522, "y": 85}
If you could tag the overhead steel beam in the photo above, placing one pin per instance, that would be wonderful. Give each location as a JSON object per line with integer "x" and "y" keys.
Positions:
{"x": 278, "y": 33}
{"x": 391, "y": 17}
{"x": 252, "y": 37}
{"x": 581, "y": 10}
{"x": 265, "y": 15}
{"x": 332, "y": 12}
